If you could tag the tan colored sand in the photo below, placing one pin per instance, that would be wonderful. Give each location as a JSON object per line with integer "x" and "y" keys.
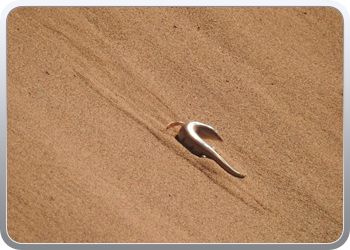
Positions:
{"x": 91, "y": 90}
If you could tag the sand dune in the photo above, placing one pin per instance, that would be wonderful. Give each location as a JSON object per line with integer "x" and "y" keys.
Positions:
{"x": 91, "y": 90}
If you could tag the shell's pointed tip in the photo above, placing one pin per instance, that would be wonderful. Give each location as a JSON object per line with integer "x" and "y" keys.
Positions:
{"x": 242, "y": 175}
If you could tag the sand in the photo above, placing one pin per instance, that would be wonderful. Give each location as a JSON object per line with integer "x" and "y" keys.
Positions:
{"x": 91, "y": 90}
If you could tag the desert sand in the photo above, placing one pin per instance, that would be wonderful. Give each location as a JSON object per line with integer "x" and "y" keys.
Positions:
{"x": 91, "y": 90}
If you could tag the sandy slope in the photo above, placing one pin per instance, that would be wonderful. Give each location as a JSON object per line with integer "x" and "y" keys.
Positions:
{"x": 91, "y": 90}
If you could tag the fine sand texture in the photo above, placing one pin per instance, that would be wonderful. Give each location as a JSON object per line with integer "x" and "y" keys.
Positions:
{"x": 90, "y": 92}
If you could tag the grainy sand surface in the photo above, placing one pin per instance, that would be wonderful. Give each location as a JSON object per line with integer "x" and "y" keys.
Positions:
{"x": 91, "y": 90}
